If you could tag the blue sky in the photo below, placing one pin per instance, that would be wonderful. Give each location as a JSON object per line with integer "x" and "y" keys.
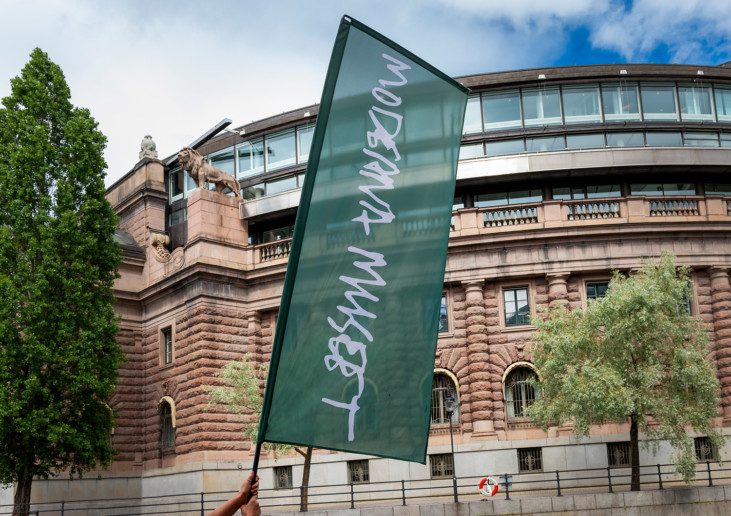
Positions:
{"x": 172, "y": 68}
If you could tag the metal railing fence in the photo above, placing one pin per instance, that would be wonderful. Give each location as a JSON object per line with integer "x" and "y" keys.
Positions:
{"x": 398, "y": 492}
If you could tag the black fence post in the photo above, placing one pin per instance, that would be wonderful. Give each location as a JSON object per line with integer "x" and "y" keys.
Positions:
{"x": 609, "y": 479}
{"x": 558, "y": 484}
{"x": 352, "y": 496}
{"x": 659, "y": 477}
{"x": 203, "y": 511}
{"x": 63, "y": 507}
{"x": 710, "y": 479}
{"x": 454, "y": 489}
{"x": 507, "y": 487}
{"x": 403, "y": 493}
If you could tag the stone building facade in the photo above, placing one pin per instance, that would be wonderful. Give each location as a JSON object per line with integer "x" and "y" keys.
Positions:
{"x": 565, "y": 175}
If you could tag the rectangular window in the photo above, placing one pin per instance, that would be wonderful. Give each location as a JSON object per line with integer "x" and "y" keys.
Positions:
{"x": 718, "y": 189}
{"x": 304, "y": 142}
{"x": 254, "y": 191}
{"x": 545, "y": 143}
{"x": 178, "y": 216}
{"x": 282, "y": 477}
{"x": 224, "y": 160}
{"x": 442, "y": 465}
{"x": 542, "y": 107}
{"x": 281, "y": 185}
{"x": 472, "y": 150}
{"x": 620, "y": 102}
{"x": 704, "y": 449}
{"x": 581, "y": 104}
{"x": 473, "y": 116}
{"x": 505, "y": 147}
{"x": 695, "y": 102}
{"x": 618, "y": 455}
{"x": 530, "y": 459}
{"x": 585, "y": 141}
{"x": 358, "y": 472}
{"x": 251, "y": 158}
{"x": 503, "y": 198}
{"x": 167, "y": 345}
{"x": 700, "y": 139}
{"x": 517, "y": 309}
{"x": 596, "y": 289}
{"x": 725, "y": 139}
{"x": 664, "y": 189}
{"x": 177, "y": 182}
{"x": 723, "y": 104}
{"x": 501, "y": 110}
{"x": 280, "y": 150}
{"x": 664, "y": 139}
{"x": 625, "y": 140}
{"x": 443, "y": 319}
{"x": 273, "y": 235}
{"x": 658, "y": 101}
{"x": 603, "y": 191}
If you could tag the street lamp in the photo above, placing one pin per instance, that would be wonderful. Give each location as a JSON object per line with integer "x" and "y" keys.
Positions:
{"x": 450, "y": 404}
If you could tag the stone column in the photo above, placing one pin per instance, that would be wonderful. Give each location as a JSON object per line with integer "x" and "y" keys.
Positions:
{"x": 721, "y": 303}
{"x": 481, "y": 402}
{"x": 253, "y": 336}
{"x": 557, "y": 292}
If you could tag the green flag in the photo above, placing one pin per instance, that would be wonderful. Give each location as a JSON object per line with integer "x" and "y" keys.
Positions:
{"x": 353, "y": 355}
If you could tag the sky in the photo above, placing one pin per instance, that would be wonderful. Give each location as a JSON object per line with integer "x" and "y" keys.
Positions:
{"x": 173, "y": 68}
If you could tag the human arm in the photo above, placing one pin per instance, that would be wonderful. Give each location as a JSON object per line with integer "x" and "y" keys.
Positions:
{"x": 239, "y": 501}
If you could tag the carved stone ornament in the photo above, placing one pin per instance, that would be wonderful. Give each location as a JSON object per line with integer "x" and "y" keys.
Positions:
{"x": 201, "y": 171}
{"x": 159, "y": 241}
{"x": 148, "y": 149}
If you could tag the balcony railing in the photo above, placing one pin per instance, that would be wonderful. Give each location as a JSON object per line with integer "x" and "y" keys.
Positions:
{"x": 274, "y": 250}
{"x": 674, "y": 207}
{"x": 509, "y": 216}
{"x": 592, "y": 210}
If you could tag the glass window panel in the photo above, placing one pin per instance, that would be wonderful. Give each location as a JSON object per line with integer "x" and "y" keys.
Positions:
{"x": 723, "y": 104}
{"x": 251, "y": 158}
{"x": 581, "y": 104}
{"x": 718, "y": 189}
{"x": 625, "y": 140}
{"x": 304, "y": 141}
{"x": 491, "y": 199}
{"x": 273, "y": 235}
{"x": 223, "y": 160}
{"x": 658, "y": 102}
{"x": 652, "y": 189}
{"x": 598, "y": 289}
{"x": 457, "y": 204}
{"x": 603, "y": 191}
{"x": 280, "y": 150}
{"x": 658, "y": 139}
{"x": 300, "y": 180}
{"x": 725, "y": 139}
{"x": 620, "y": 102}
{"x": 512, "y": 298}
{"x": 501, "y": 110}
{"x": 541, "y": 106}
{"x": 281, "y": 185}
{"x": 505, "y": 147}
{"x": 473, "y": 116}
{"x": 189, "y": 183}
{"x": 545, "y": 143}
{"x": 473, "y": 150}
{"x": 678, "y": 189}
{"x": 176, "y": 184}
{"x": 563, "y": 193}
{"x": 695, "y": 102}
{"x": 700, "y": 139}
{"x": 253, "y": 192}
{"x": 525, "y": 196}
{"x": 585, "y": 141}
{"x": 443, "y": 321}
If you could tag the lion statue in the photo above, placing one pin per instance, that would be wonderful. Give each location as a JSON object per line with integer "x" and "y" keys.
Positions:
{"x": 201, "y": 171}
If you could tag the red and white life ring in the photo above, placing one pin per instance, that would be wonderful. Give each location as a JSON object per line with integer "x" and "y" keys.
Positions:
{"x": 488, "y": 486}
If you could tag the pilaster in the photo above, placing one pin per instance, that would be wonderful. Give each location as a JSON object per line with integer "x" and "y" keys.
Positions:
{"x": 721, "y": 303}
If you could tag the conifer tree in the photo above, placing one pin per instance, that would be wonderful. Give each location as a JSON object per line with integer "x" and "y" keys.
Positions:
{"x": 58, "y": 262}
{"x": 634, "y": 356}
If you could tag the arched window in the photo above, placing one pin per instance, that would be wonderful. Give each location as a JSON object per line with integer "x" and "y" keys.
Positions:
{"x": 167, "y": 425}
{"x": 442, "y": 387}
{"x": 521, "y": 391}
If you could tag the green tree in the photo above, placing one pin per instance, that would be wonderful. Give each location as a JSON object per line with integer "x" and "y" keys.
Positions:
{"x": 634, "y": 355}
{"x": 241, "y": 395}
{"x": 58, "y": 262}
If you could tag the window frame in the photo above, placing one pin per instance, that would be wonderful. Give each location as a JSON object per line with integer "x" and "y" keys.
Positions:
{"x": 276, "y": 470}
{"x": 448, "y": 462}
{"x": 364, "y": 472}
{"x": 443, "y": 421}
{"x": 503, "y": 309}
{"x": 616, "y": 445}
{"x": 530, "y": 450}
{"x": 168, "y": 426}
{"x": 167, "y": 353}
{"x": 696, "y": 448}
{"x": 513, "y": 369}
